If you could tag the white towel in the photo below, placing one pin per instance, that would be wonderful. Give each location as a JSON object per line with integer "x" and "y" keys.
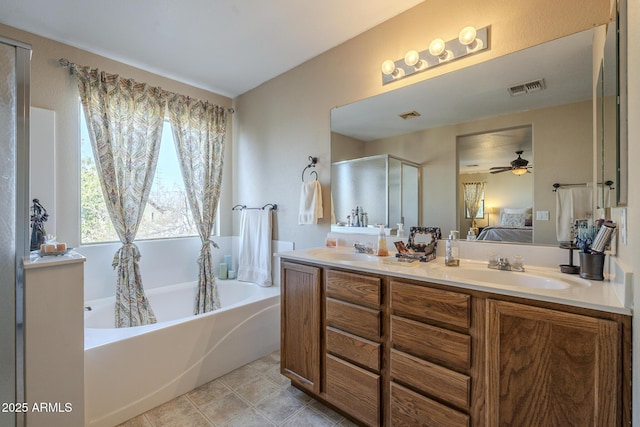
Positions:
{"x": 571, "y": 204}
{"x": 606, "y": 203}
{"x": 310, "y": 203}
{"x": 254, "y": 258}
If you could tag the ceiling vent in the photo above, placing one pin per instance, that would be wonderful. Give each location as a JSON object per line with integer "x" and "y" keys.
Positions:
{"x": 409, "y": 115}
{"x": 528, "y": 87}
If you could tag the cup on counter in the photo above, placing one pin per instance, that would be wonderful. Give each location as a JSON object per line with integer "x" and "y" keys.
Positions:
{"x": 591, "y": 266}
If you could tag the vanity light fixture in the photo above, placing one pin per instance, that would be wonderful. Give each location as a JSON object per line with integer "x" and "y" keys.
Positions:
{"x": 469, "y": 41}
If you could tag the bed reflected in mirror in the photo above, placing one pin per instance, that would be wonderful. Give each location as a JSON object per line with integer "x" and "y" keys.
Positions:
{"x": 496, "y": 185}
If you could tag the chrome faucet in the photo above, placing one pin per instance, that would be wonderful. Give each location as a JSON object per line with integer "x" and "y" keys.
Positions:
{"x": 503, "y": 264}
{"x": 362, "y": 249}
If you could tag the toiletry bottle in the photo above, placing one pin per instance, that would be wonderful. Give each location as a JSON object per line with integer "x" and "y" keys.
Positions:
{"x": 381, "y": 247}
{"x": 452, "y": 250}
{"x": 357, "y": 220}
{"x": 400, "y": 229}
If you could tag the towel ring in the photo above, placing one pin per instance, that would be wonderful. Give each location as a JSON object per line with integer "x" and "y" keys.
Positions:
{"x": 313, "y": 161}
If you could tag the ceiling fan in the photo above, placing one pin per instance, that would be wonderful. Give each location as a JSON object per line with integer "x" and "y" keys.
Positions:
{"x": 518, "y": 166}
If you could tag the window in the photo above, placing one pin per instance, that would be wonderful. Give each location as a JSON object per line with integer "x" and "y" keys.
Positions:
{"x": 480, "y": 213}
{"x": 167, "y": 214}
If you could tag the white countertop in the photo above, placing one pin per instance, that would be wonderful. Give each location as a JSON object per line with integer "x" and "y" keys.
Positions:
{"x": 597, "y": 295}
{"x": 34, "y": 260}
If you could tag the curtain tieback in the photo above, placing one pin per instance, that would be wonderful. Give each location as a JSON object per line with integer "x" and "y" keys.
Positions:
{"x": 126, "y": 250}
{"x": 211, "y": 243}
{"x": 205, "y": 251}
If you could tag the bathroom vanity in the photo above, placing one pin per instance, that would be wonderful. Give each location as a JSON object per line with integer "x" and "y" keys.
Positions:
{"x": 450, "y": 346}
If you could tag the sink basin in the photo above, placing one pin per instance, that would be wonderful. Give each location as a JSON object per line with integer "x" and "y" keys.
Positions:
{"x": 338, "y": 255}
{"x": 533, "y": 280}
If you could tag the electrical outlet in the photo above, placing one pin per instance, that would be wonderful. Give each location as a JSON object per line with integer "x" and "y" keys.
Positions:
{"x": 542, "y": 215}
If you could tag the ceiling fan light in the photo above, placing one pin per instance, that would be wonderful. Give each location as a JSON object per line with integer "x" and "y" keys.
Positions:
{"x": 519, "y": 171}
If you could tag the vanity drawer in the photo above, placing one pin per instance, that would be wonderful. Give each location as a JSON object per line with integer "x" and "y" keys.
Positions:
{"x": 448, "y": 348}
{"x": 354, "y": 288}
{"x": 355, "y": 349}
{"x": 354, "y": 390}
{"x": 409, "y": 408}
{"x": 360, "y": 321}
{"x": 434, "y": 380}
{"x": 428, "y": 304}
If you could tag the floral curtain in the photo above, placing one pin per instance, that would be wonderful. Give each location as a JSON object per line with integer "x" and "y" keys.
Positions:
{"x": 199, "y": 130}
{"x": 125, "y": 121}
{"x": 473, "y": 192}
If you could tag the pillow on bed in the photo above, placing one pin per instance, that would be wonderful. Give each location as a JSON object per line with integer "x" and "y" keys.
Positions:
{"x": 517, "y": 211}
{"x": 514, "y": 219}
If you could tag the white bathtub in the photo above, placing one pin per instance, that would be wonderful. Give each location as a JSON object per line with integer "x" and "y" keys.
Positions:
{"x": 131, "y": 370}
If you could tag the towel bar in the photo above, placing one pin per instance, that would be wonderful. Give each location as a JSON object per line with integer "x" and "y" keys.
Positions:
{"x": 241, "y": 207}
{"x": 607, "y": 183}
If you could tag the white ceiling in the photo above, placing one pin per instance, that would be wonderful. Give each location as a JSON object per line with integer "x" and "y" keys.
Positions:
{"x": 225, "y": 46}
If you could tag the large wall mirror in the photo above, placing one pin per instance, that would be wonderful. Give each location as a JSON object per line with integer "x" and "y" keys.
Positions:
{"x": 545, "y": 92}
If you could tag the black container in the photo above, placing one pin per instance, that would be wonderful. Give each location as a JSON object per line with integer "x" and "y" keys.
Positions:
{"x": 591, "y": 266}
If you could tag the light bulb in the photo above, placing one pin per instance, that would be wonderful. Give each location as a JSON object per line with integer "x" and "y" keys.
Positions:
{"x": 436, "y": 47}
{"x": 411, "y": 58}
{"x": 467, "y": 35}
{"x": 388, "y": 67}
{"x": 468, "y": 38}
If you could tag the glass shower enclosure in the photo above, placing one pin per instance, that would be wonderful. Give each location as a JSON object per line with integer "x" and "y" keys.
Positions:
{"x": 384, "y": 186}
{"x": 15, "y": 60}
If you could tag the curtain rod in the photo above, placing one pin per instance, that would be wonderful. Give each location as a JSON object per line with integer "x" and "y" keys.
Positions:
{"x": 72, "y": 66}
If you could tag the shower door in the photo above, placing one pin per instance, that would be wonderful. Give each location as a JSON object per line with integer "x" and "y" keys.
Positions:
{"x": 14, "y": 219}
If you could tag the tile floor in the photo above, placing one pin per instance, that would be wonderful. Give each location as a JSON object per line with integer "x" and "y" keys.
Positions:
{"x": 253, "y": 395}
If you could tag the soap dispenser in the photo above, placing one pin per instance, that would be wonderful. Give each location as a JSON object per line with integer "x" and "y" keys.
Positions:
{"x": 381, "y": 247}
{"x": 452, "y": 250}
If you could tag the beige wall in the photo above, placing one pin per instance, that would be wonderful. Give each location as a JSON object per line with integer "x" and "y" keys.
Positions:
{"x": 53, "y": 88}
{"x": 287, "y": 119}
{"x": 346, "y": 148}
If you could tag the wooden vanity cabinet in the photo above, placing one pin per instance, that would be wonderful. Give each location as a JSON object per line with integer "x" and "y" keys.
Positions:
{"x": 548, "y": 367}
{"x": 400, "y": 352}
{"x": 301, "y": 325}
{"x": 353, "y": 336}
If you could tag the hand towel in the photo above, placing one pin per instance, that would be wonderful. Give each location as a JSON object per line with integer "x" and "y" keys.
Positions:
{"x": 254, "y": 258}
{"x": 606, "y": 192}
{"x": 571, "y": 204}
{"x": 310, "y": 203}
